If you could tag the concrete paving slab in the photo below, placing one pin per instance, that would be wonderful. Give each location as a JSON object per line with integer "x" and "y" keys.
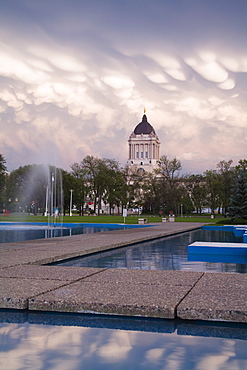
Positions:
{"x": 112, "y": 298}
{"x": 14, "y": 293}
{"x": 150, "y": 277}
{"x": 26, "y": 256}
{"x": 24, "y": 283}
{"x": 45, "y": 251}
{"x": 48, "y": 272}
{"x": 216, "y": 297}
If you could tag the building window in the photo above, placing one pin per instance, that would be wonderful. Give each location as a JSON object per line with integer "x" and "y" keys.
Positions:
{"x": 146, "y": 154}
{"x": 137, "y": 154}
{"x": 141, "y": 154}
{"x": 140, "y": 171}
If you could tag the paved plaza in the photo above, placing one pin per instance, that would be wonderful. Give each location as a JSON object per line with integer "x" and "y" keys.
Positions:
{"x": 26, "y": 283}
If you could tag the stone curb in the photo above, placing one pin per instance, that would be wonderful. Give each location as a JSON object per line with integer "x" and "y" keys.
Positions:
{"x": 25, "y": 283}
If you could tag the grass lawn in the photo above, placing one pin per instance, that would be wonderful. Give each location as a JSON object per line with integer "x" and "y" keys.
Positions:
{"x": 105, "y": 219}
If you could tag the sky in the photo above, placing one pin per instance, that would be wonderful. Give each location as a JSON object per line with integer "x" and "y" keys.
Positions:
{"x": 75, "y": 77}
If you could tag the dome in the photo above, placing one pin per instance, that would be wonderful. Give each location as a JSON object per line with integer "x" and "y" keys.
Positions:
{"x": 144, "y": 127}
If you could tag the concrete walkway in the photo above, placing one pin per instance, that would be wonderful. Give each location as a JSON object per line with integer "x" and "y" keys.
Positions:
{"x": 26, "y": 284}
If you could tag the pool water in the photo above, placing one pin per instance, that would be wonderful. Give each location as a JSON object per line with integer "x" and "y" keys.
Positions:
{"x": 169, "y": 253}
{"x": 72, "y": 341}
{"x": 35, "y": 340}
{"x": 19, "y": 231}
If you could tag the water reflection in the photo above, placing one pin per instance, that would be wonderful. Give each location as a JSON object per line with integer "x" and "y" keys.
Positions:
{"x": 168, "y": 253}
{"x": 56, "y": 341}
{"x": 16, "y": 232}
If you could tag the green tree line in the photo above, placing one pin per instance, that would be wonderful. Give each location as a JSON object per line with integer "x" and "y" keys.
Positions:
{"x": 94, "y": 182}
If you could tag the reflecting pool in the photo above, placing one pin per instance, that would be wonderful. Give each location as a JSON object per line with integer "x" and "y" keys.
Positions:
{"x": 66, "y": 341}
{"x": 20, "y": 231}
{"x": 169, "y": 253}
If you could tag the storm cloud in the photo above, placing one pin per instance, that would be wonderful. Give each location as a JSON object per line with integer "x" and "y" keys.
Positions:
{"x": 75, "y": 77}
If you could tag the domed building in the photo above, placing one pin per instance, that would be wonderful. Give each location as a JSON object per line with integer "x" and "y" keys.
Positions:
{"x": 144, "y": 146}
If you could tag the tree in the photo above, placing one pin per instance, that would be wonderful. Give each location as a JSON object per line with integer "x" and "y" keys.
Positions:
{"x": 168, "y": 173}
{"x": 153, "y": 200}
{"x": 97, "y": 174}
{"x": 212, "y": 180}
{"x": 3, "y": 170}
{"x": 187, "y": 205}
{"x": 242, "y": 165}
{"x": 169, "y": 169}
{"x": 27, "y": 189}
{"x": 80, "y": 186}
{"x": 226, "y": 176}
{"x": 238, "y": 200}
{"x": 71, "y": 182}
{"x": 196, "y": 186}
{"x": 115, "y": 190}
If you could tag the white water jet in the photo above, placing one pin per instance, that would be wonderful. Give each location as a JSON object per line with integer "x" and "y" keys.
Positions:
{"x": 54, "y": 197}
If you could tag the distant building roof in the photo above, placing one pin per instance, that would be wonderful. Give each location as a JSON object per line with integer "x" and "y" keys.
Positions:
{"x": 144, "y": 127}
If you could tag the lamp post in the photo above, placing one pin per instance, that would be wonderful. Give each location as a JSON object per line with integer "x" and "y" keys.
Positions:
{"x": 70, "y": 207}
{"x": 46, "y": 201}
{"x": 52, "y": 193}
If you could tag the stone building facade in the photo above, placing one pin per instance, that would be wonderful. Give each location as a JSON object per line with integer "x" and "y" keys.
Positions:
{"x": 144, "y": 147}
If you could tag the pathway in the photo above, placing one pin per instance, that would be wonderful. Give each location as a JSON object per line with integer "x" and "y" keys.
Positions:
{"x": 25, "y": 283}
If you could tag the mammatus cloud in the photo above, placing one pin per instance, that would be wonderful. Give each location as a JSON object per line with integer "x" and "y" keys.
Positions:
{"x": 80, "y": 88}
{"x": 80, "y": 347}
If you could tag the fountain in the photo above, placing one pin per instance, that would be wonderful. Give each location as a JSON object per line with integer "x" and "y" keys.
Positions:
{"x": 34, "y": 190}
{"x": 54, "y": 209}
